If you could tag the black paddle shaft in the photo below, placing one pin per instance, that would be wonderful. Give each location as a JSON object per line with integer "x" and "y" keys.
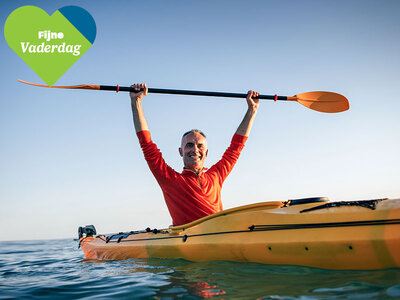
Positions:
{"x": 188, "y": 92}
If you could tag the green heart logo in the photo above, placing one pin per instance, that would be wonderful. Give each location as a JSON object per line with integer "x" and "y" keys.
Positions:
{"x": 50, "y": 45}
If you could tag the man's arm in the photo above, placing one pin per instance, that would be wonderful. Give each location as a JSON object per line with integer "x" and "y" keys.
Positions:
{"x": 247, "y": 122}
{"x": 152, "y": 154}
{"x": 136, "y": 101}
{"x": 231, "y": 155}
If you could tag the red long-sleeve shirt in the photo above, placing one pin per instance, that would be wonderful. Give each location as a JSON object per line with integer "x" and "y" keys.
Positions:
{"x": 190, "y": 196}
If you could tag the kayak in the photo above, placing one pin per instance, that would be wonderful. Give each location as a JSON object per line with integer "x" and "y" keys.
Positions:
{"x": 312, "y": 232}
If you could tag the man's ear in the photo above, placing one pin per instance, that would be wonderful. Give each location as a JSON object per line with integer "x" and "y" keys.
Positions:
{"x": 181, "y": 152}
{"x": 207, "y": 153}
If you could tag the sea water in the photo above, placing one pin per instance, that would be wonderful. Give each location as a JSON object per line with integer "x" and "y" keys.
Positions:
{"x": 56, "y": 269}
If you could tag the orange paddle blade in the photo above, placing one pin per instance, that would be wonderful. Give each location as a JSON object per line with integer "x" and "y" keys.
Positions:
{"x": 81, "y": 86}
{"x": 327, "y": 102}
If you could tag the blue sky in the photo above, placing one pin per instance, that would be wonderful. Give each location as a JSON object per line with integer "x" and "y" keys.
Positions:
{"x": 71, "y": 158}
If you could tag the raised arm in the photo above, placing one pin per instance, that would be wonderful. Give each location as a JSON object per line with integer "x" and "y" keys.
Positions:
{"x": 247, "y": 122}
{"x": 136, "y": 101}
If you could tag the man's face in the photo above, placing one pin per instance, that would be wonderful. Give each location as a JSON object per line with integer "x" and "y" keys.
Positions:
{"x": 194, "y": 151}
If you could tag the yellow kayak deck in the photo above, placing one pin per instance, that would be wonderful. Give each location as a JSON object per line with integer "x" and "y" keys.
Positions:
{"x": 358, "y": 235}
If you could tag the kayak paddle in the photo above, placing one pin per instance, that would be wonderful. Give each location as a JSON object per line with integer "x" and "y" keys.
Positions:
{"x": 327, "y": 102}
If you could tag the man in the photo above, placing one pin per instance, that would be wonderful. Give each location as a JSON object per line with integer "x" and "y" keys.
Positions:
{"x": 196, "y": 192}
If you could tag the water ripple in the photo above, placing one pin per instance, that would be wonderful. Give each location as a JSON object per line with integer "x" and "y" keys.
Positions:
{"x": 57, "y": 270}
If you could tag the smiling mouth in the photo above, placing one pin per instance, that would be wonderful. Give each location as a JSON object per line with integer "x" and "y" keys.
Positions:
{"x": 195, "y": 157}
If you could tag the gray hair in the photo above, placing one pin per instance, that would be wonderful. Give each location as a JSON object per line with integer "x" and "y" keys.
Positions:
{"x": 193, "y": 131}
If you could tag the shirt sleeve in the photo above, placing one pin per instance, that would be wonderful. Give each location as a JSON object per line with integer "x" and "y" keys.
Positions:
{"x": 230, "y": 157}
{"x": 153, "y": 157}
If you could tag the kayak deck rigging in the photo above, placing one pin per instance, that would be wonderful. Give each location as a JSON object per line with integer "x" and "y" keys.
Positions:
{"x": 371, "y": 204}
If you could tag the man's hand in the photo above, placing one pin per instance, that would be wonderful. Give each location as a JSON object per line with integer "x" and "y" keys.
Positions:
{"x": 252, "y": 100}
{"x": 138, "y": 116}
{"x": 140, "y": 91}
